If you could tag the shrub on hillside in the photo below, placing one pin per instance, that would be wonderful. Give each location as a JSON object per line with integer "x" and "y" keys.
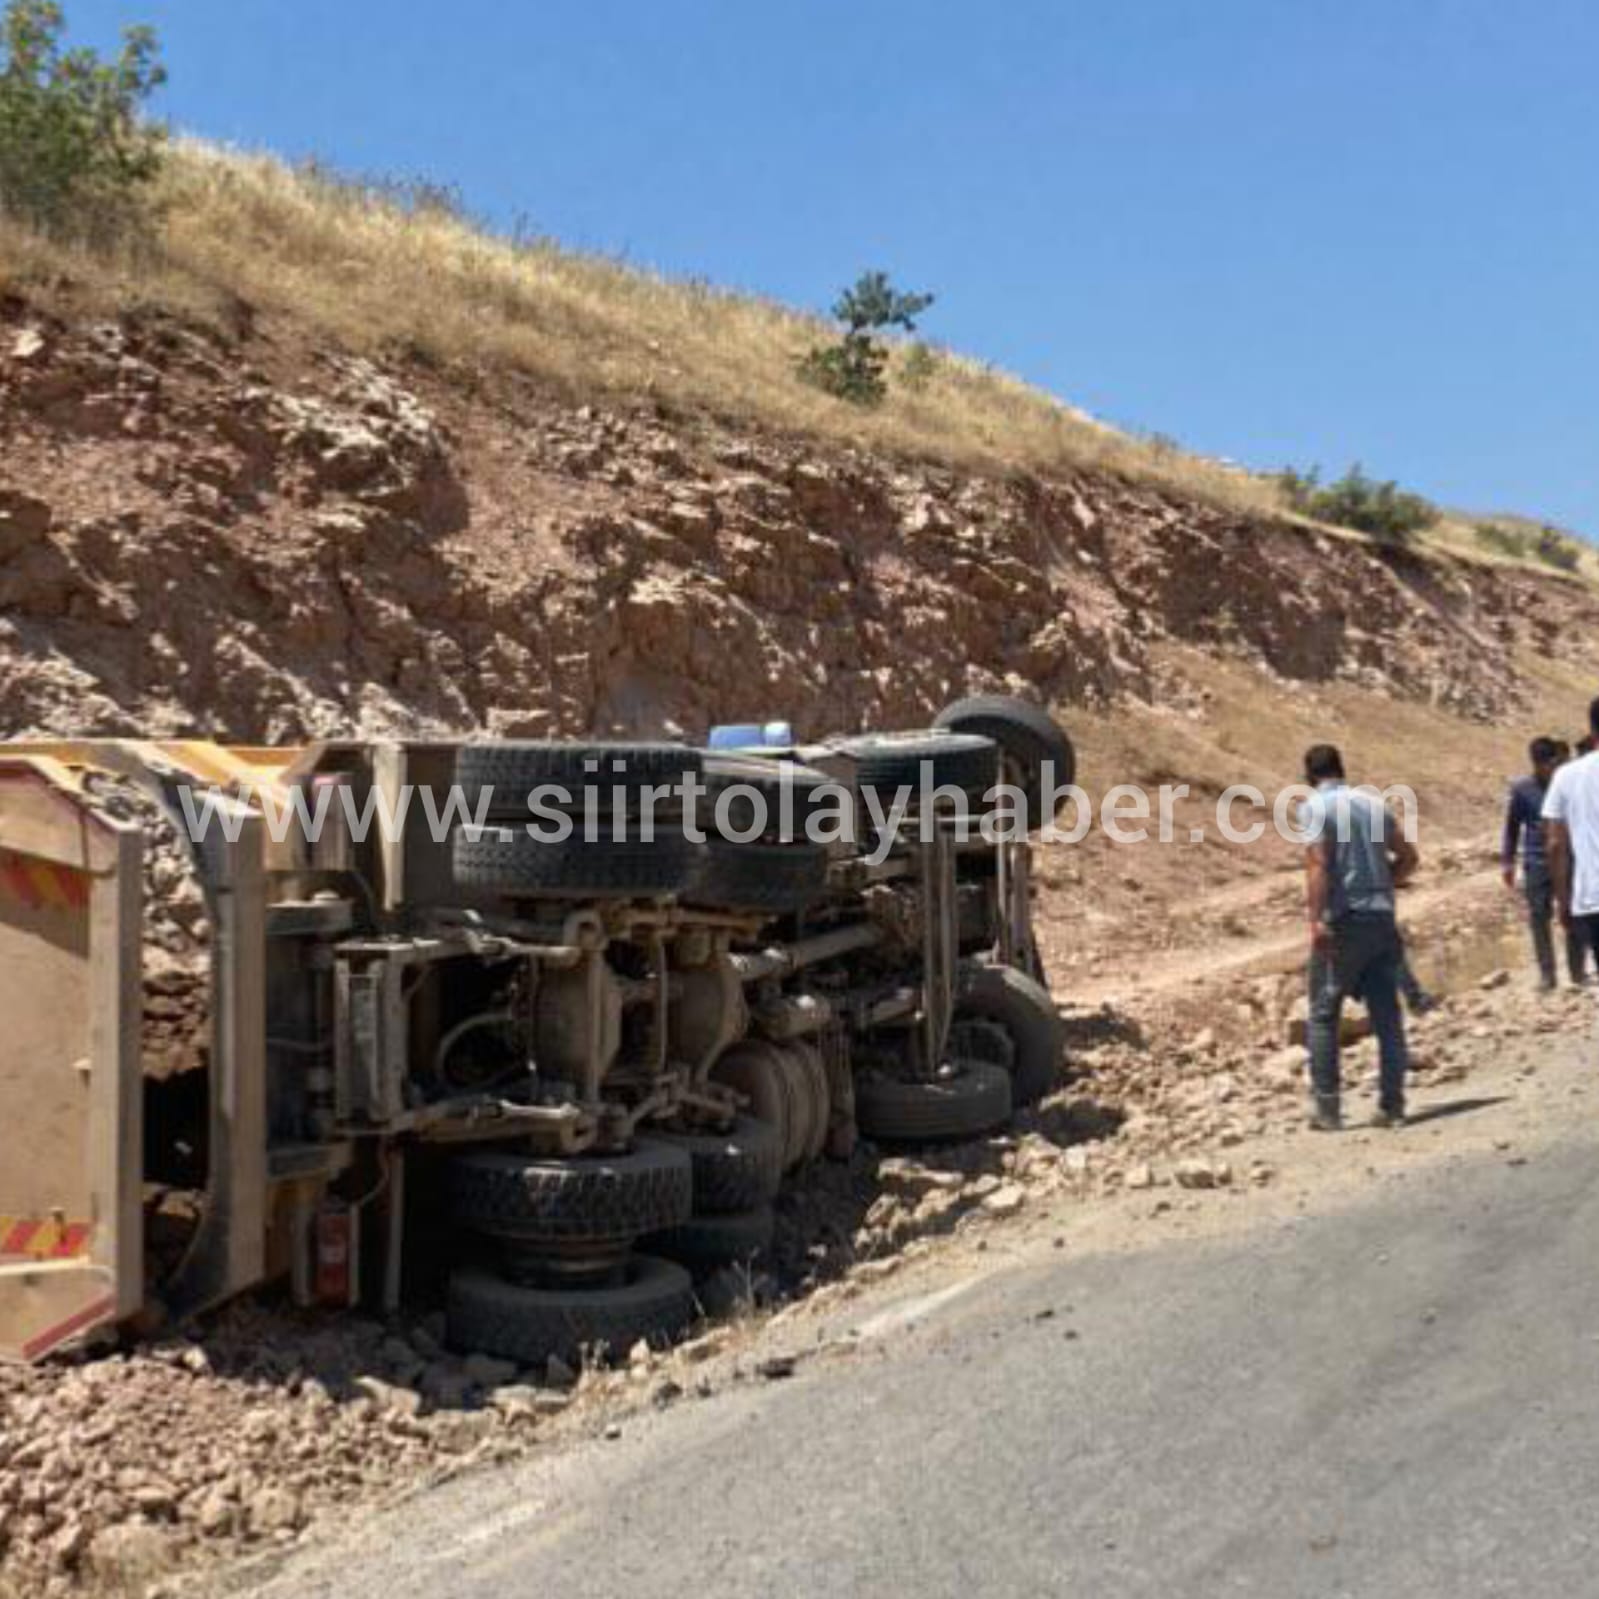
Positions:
{"x": 854, "y": 368}
{"x": 75, "y": 153}
{"x": 1503, "y": 540}
{"x": 1297, "y": 487}
{"x": 1554, "y": 548}
{"x": 1548, "y": 544}
{"x": 1355, "y": 500}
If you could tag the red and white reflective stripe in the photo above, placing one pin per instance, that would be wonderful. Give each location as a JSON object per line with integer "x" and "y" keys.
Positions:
{"x": 42, "y": 1238}
{"x": 40, "y": 884}
{"x": 91, "y": 1315}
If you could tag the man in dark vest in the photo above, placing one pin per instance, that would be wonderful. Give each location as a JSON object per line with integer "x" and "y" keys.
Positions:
{"x": 1524, "y": 839}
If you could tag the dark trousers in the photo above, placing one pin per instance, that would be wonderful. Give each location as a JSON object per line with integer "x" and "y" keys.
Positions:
{"x": 1539, "y": 889}
{"x": 1582, "y": 938}
{"x": 1362, "y": 962}
{"x": 1410, "y": 990}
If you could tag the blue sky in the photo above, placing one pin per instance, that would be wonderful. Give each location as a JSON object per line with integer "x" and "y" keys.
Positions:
{"x": 1277, "y": 230}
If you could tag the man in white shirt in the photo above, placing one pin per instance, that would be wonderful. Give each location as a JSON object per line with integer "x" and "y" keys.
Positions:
{"x": 1571, "y": 821}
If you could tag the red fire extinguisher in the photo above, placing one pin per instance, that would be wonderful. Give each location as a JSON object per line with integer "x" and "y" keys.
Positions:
{"x": 336, "y": 1244}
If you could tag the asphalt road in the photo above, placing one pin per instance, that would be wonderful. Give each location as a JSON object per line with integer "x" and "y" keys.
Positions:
{"x": 1398, "y": 1400}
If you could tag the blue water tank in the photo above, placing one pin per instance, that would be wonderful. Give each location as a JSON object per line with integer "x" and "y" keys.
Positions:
{"x": 750, "y": 736}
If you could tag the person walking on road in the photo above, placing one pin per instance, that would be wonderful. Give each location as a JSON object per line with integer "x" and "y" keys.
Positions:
{"x": 1571, "y": 812}
{"x": 1355, "y": 858}
{"x": 1576, "y": 948}
{"x": 1524, "y": 840}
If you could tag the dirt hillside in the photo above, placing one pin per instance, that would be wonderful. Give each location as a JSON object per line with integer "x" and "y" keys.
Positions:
{"x": 259, "y": 537}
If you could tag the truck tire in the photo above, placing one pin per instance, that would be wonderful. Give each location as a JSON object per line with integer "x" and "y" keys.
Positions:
{"x": 1021, "y": 1008}
{"x": 514, "y": 768}
{"x": 760, "y": 1071}
{"x": 809, "y": 790}
{"x": 891, "y": 760}
{"x": 776, "y": 878}
{"x": 515, "y": 864}
{"x": 813, "y": 1073}
{"x": 653, "y": 1300}
{"x": 1027, "y": 733}
{"x": 974, "y": 1100}
{"x": 805, "y": 1116}
{"x": 707, "y": 1243}
{"x": 733, "y": 1170}
{"x": 597, "y": 1201}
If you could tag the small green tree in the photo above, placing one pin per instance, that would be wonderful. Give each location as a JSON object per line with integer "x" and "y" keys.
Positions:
{"x": 1358, "y": 501}
{"x": 74, "y": 150}
{"x": 853, "y": 369}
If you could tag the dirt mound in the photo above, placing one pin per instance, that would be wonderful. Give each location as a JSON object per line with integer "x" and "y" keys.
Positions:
{"x": 249, "y": 537}
{"x": 116, "y": 1468}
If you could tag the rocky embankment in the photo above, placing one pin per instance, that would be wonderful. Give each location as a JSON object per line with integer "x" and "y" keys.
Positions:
{"x": 239, "y": 534}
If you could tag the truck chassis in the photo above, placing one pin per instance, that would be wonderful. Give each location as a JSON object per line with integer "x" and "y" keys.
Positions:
{"x": 551, "y": 1085}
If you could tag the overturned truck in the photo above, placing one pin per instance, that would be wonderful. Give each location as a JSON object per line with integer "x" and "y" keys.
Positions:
{"x": 536, "y": 1030}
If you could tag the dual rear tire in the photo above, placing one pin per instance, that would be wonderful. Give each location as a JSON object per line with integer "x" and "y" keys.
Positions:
{"x": 573, "y": 1219}
{"x": 737, "y": 1174}
{"x": 646, "y": 1298}
{"x": 701, "y": 1198}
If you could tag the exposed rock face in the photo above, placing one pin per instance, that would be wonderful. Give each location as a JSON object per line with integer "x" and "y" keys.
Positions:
{"x": 258, "y": 540}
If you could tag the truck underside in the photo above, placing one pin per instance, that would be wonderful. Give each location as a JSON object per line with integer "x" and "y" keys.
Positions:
{"x": 440, "y": 1056}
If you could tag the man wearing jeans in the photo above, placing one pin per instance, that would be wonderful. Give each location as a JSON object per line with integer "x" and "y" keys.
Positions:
{"x": 1571, "y": 810}
{"x": 1354, "y": 860}
{"x": 1524, "y": 836}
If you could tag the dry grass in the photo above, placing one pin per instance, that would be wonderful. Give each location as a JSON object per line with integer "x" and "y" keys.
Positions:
{"x": 375, "y": 269}
{"x": 1459, "y": 533}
